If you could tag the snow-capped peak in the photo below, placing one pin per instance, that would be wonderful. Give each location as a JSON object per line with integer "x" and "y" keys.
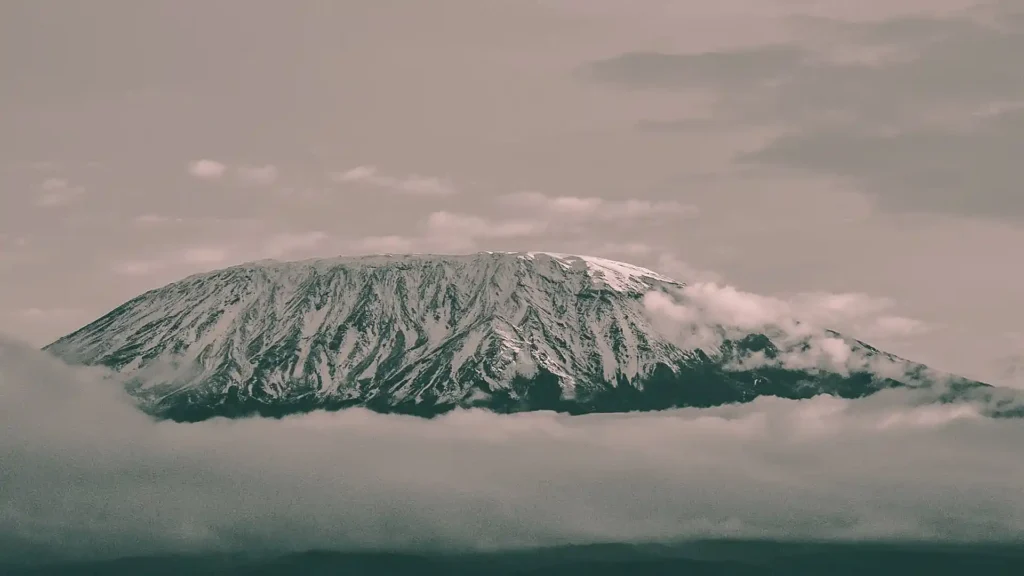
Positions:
{"x": 419, "y": 325}
{"x": 415, "y": 333}
{"x": 619, "y": 276}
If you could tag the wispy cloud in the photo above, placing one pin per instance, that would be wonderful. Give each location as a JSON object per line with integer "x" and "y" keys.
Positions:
{"x": 244, "y": 174}
{"x": 207, "y": 169}
{"x": 57, "y": 192}
{"x": 741, "y": 68}
{"x": 446, "y": 224}
{"x": 413, "y": 184}
{"x": 871, "y": 316}
{"x": 596, "y": 208}
{"x": 444, "y": 231}
{"x": 388, "y": 244}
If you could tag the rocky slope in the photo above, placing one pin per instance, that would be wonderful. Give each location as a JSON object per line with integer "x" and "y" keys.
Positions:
{"x": 421, "y": 334}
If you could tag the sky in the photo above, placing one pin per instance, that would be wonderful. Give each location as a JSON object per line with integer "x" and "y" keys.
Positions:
{"x": 857, "y": 159}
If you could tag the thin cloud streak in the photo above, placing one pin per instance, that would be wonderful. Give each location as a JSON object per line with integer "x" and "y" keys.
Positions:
{"x": 413, "y": 184}
{"x": 207, "y": 169}
{"x": 596, "y": 208}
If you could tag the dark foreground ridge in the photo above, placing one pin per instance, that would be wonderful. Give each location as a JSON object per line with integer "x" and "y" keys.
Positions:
{"x": 694, "y": 386}
{"x": 699, "y": 558}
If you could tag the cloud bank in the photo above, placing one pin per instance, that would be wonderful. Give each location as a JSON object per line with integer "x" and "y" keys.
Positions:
{"x": 85, "y": 474}
{"x": 705, "y": 313}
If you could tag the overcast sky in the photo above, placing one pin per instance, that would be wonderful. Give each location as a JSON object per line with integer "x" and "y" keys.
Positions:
{"x": 792, "y": 147}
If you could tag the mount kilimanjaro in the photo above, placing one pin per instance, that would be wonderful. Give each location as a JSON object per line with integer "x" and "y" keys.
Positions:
{"x": 423, "y": 334}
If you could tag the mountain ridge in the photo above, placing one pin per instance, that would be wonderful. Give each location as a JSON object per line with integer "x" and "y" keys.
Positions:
{"x": 425, "y": 333}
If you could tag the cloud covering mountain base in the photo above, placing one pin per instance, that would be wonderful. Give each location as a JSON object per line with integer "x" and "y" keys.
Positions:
{"x": 85, "y": 474}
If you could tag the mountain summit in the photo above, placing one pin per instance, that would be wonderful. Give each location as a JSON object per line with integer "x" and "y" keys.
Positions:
{"x": 422, "y": 334}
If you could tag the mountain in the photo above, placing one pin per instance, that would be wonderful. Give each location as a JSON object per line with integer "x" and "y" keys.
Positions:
{"x": 421, "y": 334}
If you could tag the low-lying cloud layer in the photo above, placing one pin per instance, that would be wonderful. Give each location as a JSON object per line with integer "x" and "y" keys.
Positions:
{"x": 84, "y": 473}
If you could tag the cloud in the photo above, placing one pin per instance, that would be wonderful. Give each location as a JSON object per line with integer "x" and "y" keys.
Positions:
{"x": 877, "y": 72}
{"x": 453, "y": 231}
{"x": 244, "y": 174}
{"x": 919, "y": 110}
{"x": 58, "y": 192}
{"x": 973, "y": 172}
{"x": 597, "y": 208}
{"x": 207, "y": 169}
{"x": 870, "y": 316}
{"x": 742, "y": 68}
{"x": 705, "y": 314}
{"x": 447, "y": 224}
{"x": 186, "y": 258}
{"x": 87, "y": 474}
{"x": 448, "y": 231}
{"x": 389, "y": 244}
{"x": 357, "y": 174}
{"x": 257, "y": 175}
{"x": 444, "y": 231}
{"x": 413, "y": 184}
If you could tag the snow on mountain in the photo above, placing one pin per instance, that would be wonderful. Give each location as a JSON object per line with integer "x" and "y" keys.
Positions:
{"x": 421, "y": 334}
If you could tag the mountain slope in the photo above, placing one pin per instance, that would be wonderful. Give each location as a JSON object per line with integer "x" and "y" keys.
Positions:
{"x": 424, "y": 333}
